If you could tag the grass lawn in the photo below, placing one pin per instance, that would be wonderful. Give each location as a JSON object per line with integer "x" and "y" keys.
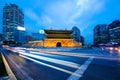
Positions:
{"x": 3, "y": 72}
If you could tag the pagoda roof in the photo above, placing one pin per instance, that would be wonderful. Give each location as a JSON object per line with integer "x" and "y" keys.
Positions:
{"x": 58, "y": 31}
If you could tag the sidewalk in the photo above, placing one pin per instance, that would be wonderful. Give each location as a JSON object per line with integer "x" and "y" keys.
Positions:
{"x": 19, "y": 73}
{"x": 11, "y": 75}
{"x": 3, "y": 71}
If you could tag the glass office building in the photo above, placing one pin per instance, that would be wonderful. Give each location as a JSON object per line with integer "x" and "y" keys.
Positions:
{"x": 114, "y": 31}
{"x": 100, "y": 34}
{"x": 12, "y": 18}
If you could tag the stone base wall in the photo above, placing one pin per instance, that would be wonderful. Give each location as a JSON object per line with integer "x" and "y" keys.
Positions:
{"x": 55, "y": 43}
{"x": 61, "y": 43}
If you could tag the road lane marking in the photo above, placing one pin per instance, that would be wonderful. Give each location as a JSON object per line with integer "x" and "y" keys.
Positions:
{"x": 57, "y": 61}
{"x": 81, "y": 70}
{"x": 51, "y": 66}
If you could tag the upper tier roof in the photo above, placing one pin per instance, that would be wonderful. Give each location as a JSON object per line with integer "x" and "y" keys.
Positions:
{"x": 58, "y": 31}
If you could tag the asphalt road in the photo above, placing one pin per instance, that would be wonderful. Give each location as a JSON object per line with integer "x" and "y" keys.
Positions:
{"x": 45, "y": 64}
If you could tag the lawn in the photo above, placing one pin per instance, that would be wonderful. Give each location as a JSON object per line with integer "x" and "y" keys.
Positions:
{"x": 3, "y": 72}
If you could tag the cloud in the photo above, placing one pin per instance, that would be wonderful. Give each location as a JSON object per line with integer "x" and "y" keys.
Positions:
{"x": 87, "y": 8}
{"x": 32, "y": 15}
{"x": 67, "y": 12}
{"x": 59, "y": 11}
{"x": 62, "y": 13}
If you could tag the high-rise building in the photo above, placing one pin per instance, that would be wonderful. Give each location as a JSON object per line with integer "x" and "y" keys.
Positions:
{"x": 114, "y": 31}
{"x": 104, "y": 34}
{"x": 100, "y": 34}
{"x": 13, "y": 19}
{"x": 76, "y": 34}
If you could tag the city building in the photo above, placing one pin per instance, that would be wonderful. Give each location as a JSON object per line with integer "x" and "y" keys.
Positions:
{"x": 76, "y": 34}
{"x": 100, "y": 34}
{"x": 13, "y": 24}
{"x": 114, "y": 31}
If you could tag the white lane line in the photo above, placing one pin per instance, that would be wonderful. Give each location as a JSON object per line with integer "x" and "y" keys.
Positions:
{"x": 81, "y": 70}
{"x": 51, "y": 66}
{"x": 57, "y": 61}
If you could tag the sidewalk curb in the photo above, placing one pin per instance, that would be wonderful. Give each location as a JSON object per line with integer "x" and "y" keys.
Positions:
{"x": 4, "y": 78}
{"x": 11, "y": 75}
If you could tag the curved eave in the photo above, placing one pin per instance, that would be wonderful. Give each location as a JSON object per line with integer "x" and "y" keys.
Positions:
{"x": 58, "y": 31}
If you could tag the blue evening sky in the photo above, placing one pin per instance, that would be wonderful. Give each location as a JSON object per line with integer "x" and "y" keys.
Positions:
{"x": 64, "y": 14}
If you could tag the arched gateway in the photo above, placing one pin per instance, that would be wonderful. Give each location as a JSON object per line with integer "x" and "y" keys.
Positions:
{"x": 58, "y": 44}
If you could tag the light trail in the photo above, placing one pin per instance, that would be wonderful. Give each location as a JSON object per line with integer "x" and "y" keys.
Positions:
{"x": 57, "y": 61}
{"x": 51, "y": 66}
